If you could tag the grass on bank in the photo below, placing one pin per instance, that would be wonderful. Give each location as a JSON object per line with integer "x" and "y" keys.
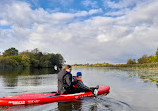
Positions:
{"x": 134, "y": 66}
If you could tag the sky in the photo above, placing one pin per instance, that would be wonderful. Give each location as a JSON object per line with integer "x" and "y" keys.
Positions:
{"x": 83, "y": 31}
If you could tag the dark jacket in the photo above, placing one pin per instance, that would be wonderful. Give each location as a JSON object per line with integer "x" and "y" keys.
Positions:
{"x": 64, "y": 82}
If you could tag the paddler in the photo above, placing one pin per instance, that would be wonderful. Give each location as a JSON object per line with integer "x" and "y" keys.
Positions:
{"x": 81, "y": 87}
{"x": 77, "y": 79}
{"x": 65, "y": 83}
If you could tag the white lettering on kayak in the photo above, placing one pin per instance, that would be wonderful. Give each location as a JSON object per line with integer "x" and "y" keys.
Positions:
{"x": 33, "y": 101}
{"x": 76, "y": 97}
{"x": 17, "y": 102}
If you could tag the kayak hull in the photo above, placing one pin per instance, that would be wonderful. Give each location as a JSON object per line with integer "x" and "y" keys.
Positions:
{"x": 48, "y": 97}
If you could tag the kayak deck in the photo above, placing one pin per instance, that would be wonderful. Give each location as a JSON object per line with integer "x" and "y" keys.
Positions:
{"x": 35, "y": 95}
{"x": 48, "y": 97}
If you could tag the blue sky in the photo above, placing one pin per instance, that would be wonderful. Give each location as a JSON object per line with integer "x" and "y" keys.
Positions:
{"x": 82, "y": 5}
{"x": 65, "y": 5}
{"x": 83, "y": 31}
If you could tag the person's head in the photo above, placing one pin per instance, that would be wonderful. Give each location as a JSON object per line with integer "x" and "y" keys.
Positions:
{"x": 79, "y": 74}
{"x": 68, "y": 68}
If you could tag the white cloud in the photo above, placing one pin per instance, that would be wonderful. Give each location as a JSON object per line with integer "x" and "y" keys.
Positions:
{"x": 86, "y": 13}
{"x": 122, "y": 3}
{"x": 16, "y": 13}
{"x": 4, "y": 22}
{"x": 95, "y": 11}
{"x": 92, "y": 39}
{"x": 141, "y": 16}
{"x": 120, "y": 12}
{"x": 90, "y": 3}
{"x": 102, "y": 38}
{"x": 62, "y": 16}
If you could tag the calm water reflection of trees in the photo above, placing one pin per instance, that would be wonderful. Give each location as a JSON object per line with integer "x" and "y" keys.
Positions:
{"x": 10, "y": 77}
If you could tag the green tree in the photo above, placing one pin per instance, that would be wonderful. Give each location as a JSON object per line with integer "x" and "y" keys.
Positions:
{"x": 34, "y": 62}
{"x": 157, "y": 52}
{"x": 143, "y": 59}
{"x": 152, "y": 59}
{"x": 17, "y": 59}
{"x": 131, "y": 61}
{"x": 10, "y": 52}
{"x": 33, "y": 58}
{"x": 45, "y": 61}
{"x": 36, "y": 50}
{"x": 25, "y": 61}
{"x": 58, "y": 60}
{"x": 8, "y": 61}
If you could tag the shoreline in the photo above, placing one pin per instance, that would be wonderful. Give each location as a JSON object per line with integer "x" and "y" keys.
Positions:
{"x": 151, "y": 66}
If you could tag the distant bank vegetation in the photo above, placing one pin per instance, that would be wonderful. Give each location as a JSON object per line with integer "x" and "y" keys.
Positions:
{"x": 143, "y": 62}
{"x": 35, "y": 58}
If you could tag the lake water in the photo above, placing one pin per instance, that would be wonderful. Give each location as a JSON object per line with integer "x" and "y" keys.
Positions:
{"x": 131, "y": 90}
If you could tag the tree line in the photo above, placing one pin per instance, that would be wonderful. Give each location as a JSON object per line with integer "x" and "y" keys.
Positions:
{"x": 143, "y": 62}
{"x": 34, "y": 58}
{"x": 144, "y": 59}
{"x": 94, "y": 65}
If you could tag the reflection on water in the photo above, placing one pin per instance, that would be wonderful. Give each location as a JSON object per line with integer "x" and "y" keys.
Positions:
{"x": 131, "y": 90}
{"x": 144, "y": 75}
{"x": 70, "y": 105}
{"x": 100, "y": 103}
{"x": 10, "y": 77}
{"x": 90, "y": 104}
{"x": 27, "y": 81}
{"x": 86, "y": 104}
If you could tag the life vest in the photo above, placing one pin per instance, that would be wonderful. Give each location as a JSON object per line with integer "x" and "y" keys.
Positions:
{"x": 76, "y": 79}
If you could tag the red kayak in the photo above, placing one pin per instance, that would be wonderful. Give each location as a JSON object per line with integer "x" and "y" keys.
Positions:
{"x": 48, "y": 97}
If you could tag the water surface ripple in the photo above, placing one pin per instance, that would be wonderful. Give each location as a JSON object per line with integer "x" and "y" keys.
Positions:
{"x": 131, "y": 90}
